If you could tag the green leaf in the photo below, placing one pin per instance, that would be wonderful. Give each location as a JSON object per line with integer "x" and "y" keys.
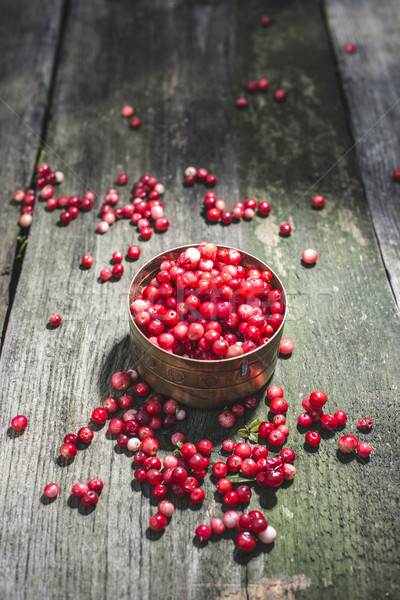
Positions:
{"x": 240, "y": 479}
{"x": 180, "y": 444}
{"x": 41, "y": 155}
{"x": 177, "y": 453}
{"x": 23, "y": 240}
{"x": 243, "y": 433}
{"x": 253, "y": 437}
{"x": 255, "y": 424}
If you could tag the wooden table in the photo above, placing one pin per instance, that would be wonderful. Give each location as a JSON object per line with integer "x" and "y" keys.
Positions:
{"x": 67, "y": 68}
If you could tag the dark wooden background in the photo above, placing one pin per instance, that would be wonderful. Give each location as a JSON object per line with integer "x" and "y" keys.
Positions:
{"x": 66, "y": 69}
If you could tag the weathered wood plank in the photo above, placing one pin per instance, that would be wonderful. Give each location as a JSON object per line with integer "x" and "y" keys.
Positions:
{"x": 371, "y": 83}
{"x": 338, "y": 309}
{"x": 27, "y": 50}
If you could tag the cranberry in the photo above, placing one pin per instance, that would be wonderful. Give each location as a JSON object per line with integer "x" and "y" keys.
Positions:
{"x": 350, "y": 48}
{"x": 150, "y": 446}
{"x": 309, "y": 256}
{"x": 105, "y": 274}
{"x": 251, "y": 85}
{"x": 243, "y": 493}
{"x": 71, "y": 438}
{"x": 274, "y": 392}
{"x": 278, "y": 406}
{"x": 135, "y": 123}
{"x": 166, "y": 508}
{"x": 280, "y": 95}
{"x": 87, "y": 260}
{"x": 203, "y": 533}
{"x": 276, "y": 438}
{"x": 251, "y": 402}
{"x": 95, "y": 485}
{"x": 121, "y": 380}
{"x": 68, "y": 451}
{"x": 262, "y": 85}
{"x": 329, "y": 422}
{"x": 348, "y": 443}
{"x": 126, "y": 401}
{"x": 265, "y": 428}
{"x": 79, "y": 489}
{"x": 224, "y": 485}
{"x": 197, "y": 495}
{"x": 268, "y": 535}
{"x": 305, "y": 420}
{"x": 226, "y": 419}
{"x": 396, "y": 175}
{"x": 265, "y": 21}
{"x": 25, "y": 220}
{"x": 341, "y": 417}
{"x": 234, "y": 463}
{"x": 318, "y": 202}
{"x": 204, "y": 447}
{"x": 286, "y": 346}
{"x": 285, "y": 229}
{"x": 317, "y": 399}
{"x": 231, "y": 519}
{"x": 313, "y": 438}
{"x": 365, "y": 424}
{"x": 364, "y": 450}
{"x": 217, "y": 526}
{"x": 219, "y": 470}
{"x": 122, "y": 179}
{"x": 134, "y": 252}
{"x": 246, "y": 542}
{"x": 85, "y": 435}
{"x": 99, "y": 415}
{"x": 55, "y": 320}
{"x": 228, "y": 445}
{"x": 263, "y": 209}
{"x": 241, "y": 103}
{"x": 19, "y": 423}
{"x": 127, "y": 111}
{"x": 116, "y": 426}
{"x": 51, "y": 490}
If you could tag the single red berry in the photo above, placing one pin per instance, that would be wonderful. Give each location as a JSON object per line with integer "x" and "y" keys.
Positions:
{"x": 278, "y": 406}
{"x": 135, "y": 123}
{"x": 365, "y": 424}
{"x": 118, "y": 270}
{"x": 348, "y": 443}
{"x": 276, "y": 438}
{"x": 285, "y": 229}
{"x": 87, "y": 260}
{"x": 217, "y": 526}
{"x": 90, "y": 498}
{"x": 280, "y": 95}
{"x": 68, "y": 451}
{"x": 265, "y": 428}
{"x": 55, "y": 320}
{"x": 396, "y": 175}
{"x": 329, "y": 422}
{"x": 166, "y": 508}
{"x": 244, "y": 493}
{"x": 99, "y": 415}
{"x": 309, "y": 256}
{"x": 197, "y": 495}
{"x": 71, "y": 438}
{"x": 263, "y": 209}
{"x": 96, "y": 485}
{"x": 317, "y": 399}
{"x": 219, "y": 470}
{"x": 19, "y": 423}
{"x": 341, "y": 417}
{"x": 79, "y": 489}
{"x": 205, "y": 447}
{"x": 305, "y": 420}
{"x": 121, "y": 380}
{"x": 262, "y": 85}
{"x": 287, "y": 455}
{"x": 364, "y": 450}
{"x": 85, "y": 435}
{"x": 231, "y": 498}
{"x": 246, "y": 542}
{"x": 117, "y": 257}
{"x": 127, "y": 111}
{"x": 241, "y": 103}
{"x": 134, "y": 252}
{"x": 350, "y": 48}
{"x": 51, "y": 490}
{"x": 265, "y": 21}
{"x": 122, "y": 179}
{"x": 318, "y": 202}
{"x": 286, "y": 346}
{"x": 224, "y": 486}
{"x": 203, "y": 533}
{"x": 226, "y": 419}
{"x": 228, "y": 445}
{"x": 313, "y": 438}
{"x": 274, "y": 392}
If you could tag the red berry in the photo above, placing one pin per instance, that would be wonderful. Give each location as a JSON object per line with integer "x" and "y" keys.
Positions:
{"x": 95, "y": 485}
{"x": 135, "y": 123}
{"x": 274, "y": 392}
{"x": 99, "y": 415}
{"x": 341, "y": 417}
{"x": 280, "y": 95}
{"x": 71, "y": 438}
{"x": 241, "y": 103}
{"x": 329, "y": 422}
{"x": 79, "y": 489}
{"x": 396, "y": 175}
{"x": 226, "y": 419}
{"x": 309, "y": 256}
{"x": 127, "y": 111}
{"x": 134, "y": 252}
{"x": 318, "y": 202}
{"x": 265, "y": 428}
{"x": 118, "y": 270}
{"x": 203, "y": 533}
{"x": 121, "y": 380}
{"x": 265, "y": 21}
{"x": 85, "y": 435}
{"x": 286, "y": 346}
{"x": 244, "y": 493}
{"x": 348, "y": 443}
{"x": 278, "y": 406}
{"x": 204, "y": 447}
{"x": 305, "y": 420}
{"x": 364, "y": 450}
{"x": 54, "y": 320}
{"x": 19, "y": 423}
{"x": 317, "y": 399}
{"x": 122, "y": 179}
{"x": 276, "y": 438}
{"x": 68, "y": 451}
{"x": 285, "y": 229}
{"x": 350, "y": 48}
{"x": 365, "y": 424}
{"x": 313, "y": 438}
{"x": 246, "y": 542}
{"x": 51, "y": 490}
{"x": 87, "y": 260}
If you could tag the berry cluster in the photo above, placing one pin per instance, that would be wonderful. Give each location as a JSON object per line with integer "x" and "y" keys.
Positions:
{"x": 250, "y": 527}
{"x": 216, "y": 209}
{"x": 88, "y": 493}
{"x": 144, "y": 208}
{"x": 201, "y": 175}
{"x": 127, "y": 111}
{"x": 206, "y": 306}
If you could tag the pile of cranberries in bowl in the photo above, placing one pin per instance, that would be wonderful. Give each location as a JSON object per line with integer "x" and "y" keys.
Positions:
{"x": 207, "y": 306}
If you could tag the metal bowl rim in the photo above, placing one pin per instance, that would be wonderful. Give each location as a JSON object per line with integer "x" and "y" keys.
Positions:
{"x": 195, "y": 360}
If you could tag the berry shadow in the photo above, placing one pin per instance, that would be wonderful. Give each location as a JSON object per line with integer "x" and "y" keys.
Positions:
{"x": 326, "y": 434}
{"x": 307, "y": 265}
{"x": 266, "y": 497}
{"x": 285, "y": 356}
{"x": 73, "y": 501}
{"x": 64, "y": 462}
{"x": 154, "y": 535}
{"x": 51, "y": 327}
{"x": 83, "y": 268}
{"x": 85, "y": 510}
{"x": 243, "y": 558}
{"x": 345, "y": 458}
{"x": 45, "y": 500}
{"x": 310, "y": 449}
{"x": 12, "y": 434}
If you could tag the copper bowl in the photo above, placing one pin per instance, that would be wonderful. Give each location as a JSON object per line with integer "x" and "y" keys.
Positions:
{"x": 202, "y": 383}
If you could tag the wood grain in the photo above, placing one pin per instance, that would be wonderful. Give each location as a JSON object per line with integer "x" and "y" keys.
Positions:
{"x": 27, "y": 50}
{"x": 371, "y": 84}
{"x": 182, "y": 65}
